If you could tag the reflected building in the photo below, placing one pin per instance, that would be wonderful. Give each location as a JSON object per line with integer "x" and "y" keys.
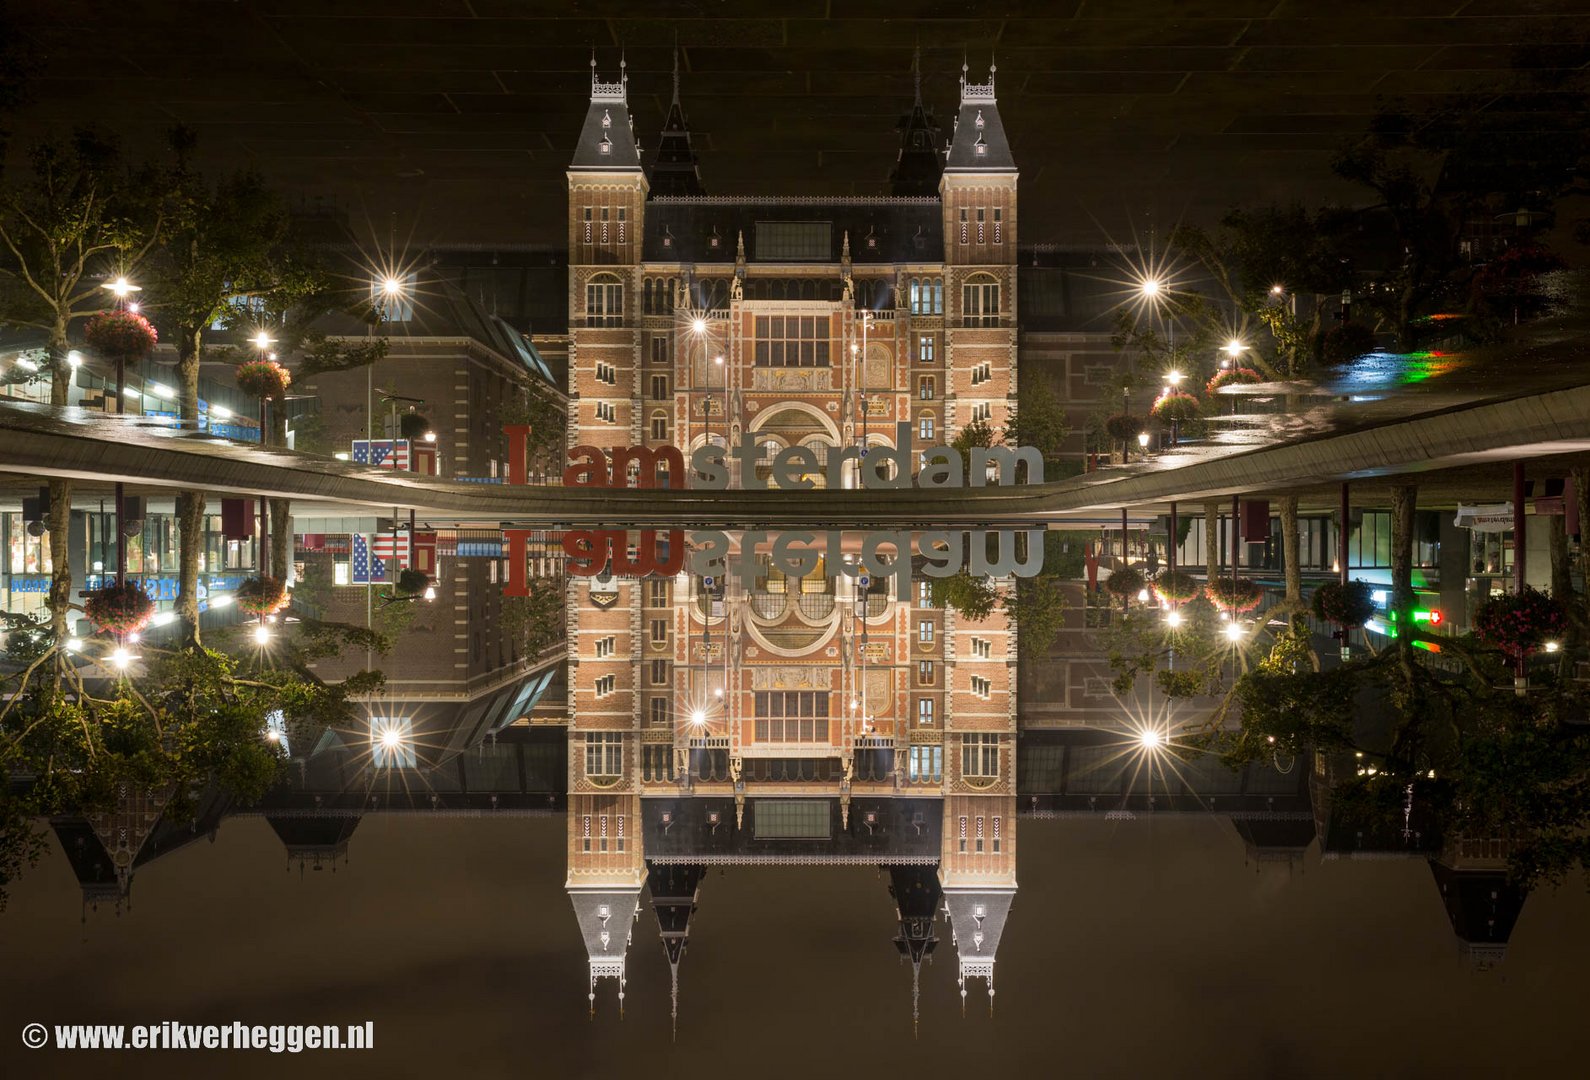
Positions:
{"x": 810, "y": 721}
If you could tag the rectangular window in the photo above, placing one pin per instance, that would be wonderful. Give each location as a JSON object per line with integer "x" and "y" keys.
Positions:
{"x": 659, "y": 712}
{"x": 996, "y": 836}
{"x": 657, "y": 763}
{"x": 982, "y": 687}
{"x": 927, "y": 764}
{"x": 999, "y": 237}
{"x": 794, "y": 241}
{"x": 791, "y": 716}
{"x": 924, "y": 672}
{"x": 606, "y": 411}
{"x": 621, "y": 233}
{"x": 607, "y": 373}
{"x": 659, "y": 428}
{"x": 659, "y": 673}
{"x": 604, "y": 302}
{"x": 657, "y": 593}
{"x": 604, "y": 753}
{"x": 659, "y": 387}
{"x": 980, "y": 303}
{"x": 659, "y": 350}
{"x": 924, "y": 428}
{"x": 924, "y": 631}
{"x": 964, "y": 227}
{"x": 924, "y": 711}
{"x": 791, "y": 340}
{"x": 926, "y": 387}
{"x": 604, "y": 647}
{"x": 659, "y": 631}
{"x": 982, "y": 236}
{"x": 926, "y": 349}
{"x": 791, "y": 819}
{"x": 924, "y": 594}
{"x": 980, "y": 755}
{"x": 586, "y": 218}
{"x": 961, "y": 837}
{"x": 979, "y": 834}
{"x": 982, "y": 648}
{"x": 605, "y": 685}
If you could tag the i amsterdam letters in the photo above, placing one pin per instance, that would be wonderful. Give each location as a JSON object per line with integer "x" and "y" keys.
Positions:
{"x": 710, "y": 553}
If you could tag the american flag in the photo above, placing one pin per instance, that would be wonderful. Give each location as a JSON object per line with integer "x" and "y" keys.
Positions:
{"x": 382, "y": 453}
{"x": 367, "y": 568}
{"x": 392, "y": 548}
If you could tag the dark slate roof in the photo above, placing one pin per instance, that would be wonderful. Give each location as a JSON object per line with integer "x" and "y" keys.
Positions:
{"x": 978, "y": 143}
{"x": 917, "y": 896}
{"x": 918, "y": 166}
{"x": 904, "y": 830}
{"x": 673, "y": 169}
{"x": 1483, "y": 905}
{"x": 309, "y": 835}
{"x": 607, "y": 122}
{"x": 905, "y": 229}
{"x": 1068, "y": 289}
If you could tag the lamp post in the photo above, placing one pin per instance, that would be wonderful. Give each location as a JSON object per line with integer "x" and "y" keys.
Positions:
{"x": 122, "y": 290}
{"x": 262, "y": 341}
{"x": 1233, "y": 350}
{"x": 1172, "y": 382}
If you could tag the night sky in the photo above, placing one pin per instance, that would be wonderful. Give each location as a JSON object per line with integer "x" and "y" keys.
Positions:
{"x": 1132, "y": 947}
{"x": 456, "y": 118}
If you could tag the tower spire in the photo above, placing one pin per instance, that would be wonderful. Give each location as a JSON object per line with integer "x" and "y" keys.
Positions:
{"x": 674, "y": 169}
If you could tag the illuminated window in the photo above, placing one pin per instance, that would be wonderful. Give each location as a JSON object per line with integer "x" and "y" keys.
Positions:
{"x": 980, "y": 301}
{"x": 604, "y": 301}
{"x": 927, "y": 764}
{"x": 604, "y": 753}
{"x": 791, "y": 716}
{"x": 791, "y": 341}
{"x": 980, "y": 755}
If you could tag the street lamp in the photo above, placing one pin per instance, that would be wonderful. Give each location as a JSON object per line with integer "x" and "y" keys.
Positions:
{"x": 1173, "y": 619}
{"x": 1232, "y": 349}
{"x": 1234, "y": 631}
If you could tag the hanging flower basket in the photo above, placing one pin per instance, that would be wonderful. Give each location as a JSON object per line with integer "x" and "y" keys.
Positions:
{"x": 120, "y": 609}
{"x": 1521, "y": 622}
{"x": 1234, "y": 596}
{"x": 1176, "y": 405}
{"x": 1234, "y": 376}
{"x": 1346, "y": 605}
{"x": 1126, "y": 582}
{"x": 412, "y": 582}
{"x": 263, "y": 378}
{"x": 1123, "y": 428}
{"x": 1177, "y": 586}
{"x": 262, "y": 596}
{"x": 121, "y": 333}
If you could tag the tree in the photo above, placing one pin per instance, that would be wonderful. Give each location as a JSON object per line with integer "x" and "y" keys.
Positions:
{"x": 1037, "y": 608}
{"x": 535, "y": 405}
{"x": 223, "y": 257}
{"x": 978, "y": 433}
{"x": 66, "y": 229}
{"x": 1038, "y": 420}
{"x": 539, "y": 620}
{"x": 969, "y": 597}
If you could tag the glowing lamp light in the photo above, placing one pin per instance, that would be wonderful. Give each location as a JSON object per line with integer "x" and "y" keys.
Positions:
{"x": 717, "y": 691}
{"x": 1150, "y": 287}
{"x": 430, "y": 436}
{"x": 1234, "y": 631}
{"x": 122, "y": 288}
{"x": 718, "y": 360}
{"x": 120, "y": 658}
{"x": 1553, "y": 646}
{"x": 74, "y": 358}
{"x": 163, "y": 618}
{"x": 221, "y": 412}
{"x": 391, "y": 286}
{"x": 698, "y": 717}
{"x": 1150, "y": 738}
{"x": 343, "y": 456}
{"x": 1173, "y": 619}
{"x": 1142, "y": 596}
{"x": 1233, "y": 348}
{"x": 1173, "y": 377}
{"x": 262, "y": 634}
{"x": 162, "y": 391}
{"x": 698, "y": 326}
{"x": 1142, "y": 439}
{"x": 133, "y": 308}
{"x": 221, "y": 601}
{"x": 135, "y": 637}
{"x": 262, "y": 340}
{"x": 430, "y": 592}
{"x": 391, "y": 737}
{"x": 73, "y": 644}
{"x": 273, "y": 736}
{"x": 1276, "y": 290}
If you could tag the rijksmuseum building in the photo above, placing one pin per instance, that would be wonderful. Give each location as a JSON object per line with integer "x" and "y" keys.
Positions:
{"x": 812, "y": 720}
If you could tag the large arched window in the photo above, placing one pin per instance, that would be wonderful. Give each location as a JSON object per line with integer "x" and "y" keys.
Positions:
{"x": 980, "y": 301}
{"x": 604, "y": 301}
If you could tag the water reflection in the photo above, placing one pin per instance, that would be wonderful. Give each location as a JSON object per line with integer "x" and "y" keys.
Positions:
{"x": 828, "y": 720}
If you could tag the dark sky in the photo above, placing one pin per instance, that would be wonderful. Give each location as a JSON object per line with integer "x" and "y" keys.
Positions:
{"x": 458, "y": 116}
{"x": 1132, "y": 948}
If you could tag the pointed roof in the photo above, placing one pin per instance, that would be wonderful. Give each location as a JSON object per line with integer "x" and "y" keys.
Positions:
{"x": 673, "y": 170}
{"x": 607, "y": 139}
{"x": 917, "y": 894}
{"x": 1483, "y": 906}
{"x": 917, "y": 167}
{"x": 978, "y": 143}
{"x": 606, "y": 914}
{"x": 675, "y": 889}
{"x": 977, "y": 921}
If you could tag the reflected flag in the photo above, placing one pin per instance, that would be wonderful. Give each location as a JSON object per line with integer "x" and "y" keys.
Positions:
{"x": 382, "y": 453}
{"x": 392, "y": 548}
{"x": 366, "y": 568}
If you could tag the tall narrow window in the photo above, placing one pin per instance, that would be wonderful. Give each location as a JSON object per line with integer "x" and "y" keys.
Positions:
{"x": 604, "y": 301}
{"x": 980, "y": 301}
{"x": 998, "y": 239}
{"x": 965, "y": 228}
